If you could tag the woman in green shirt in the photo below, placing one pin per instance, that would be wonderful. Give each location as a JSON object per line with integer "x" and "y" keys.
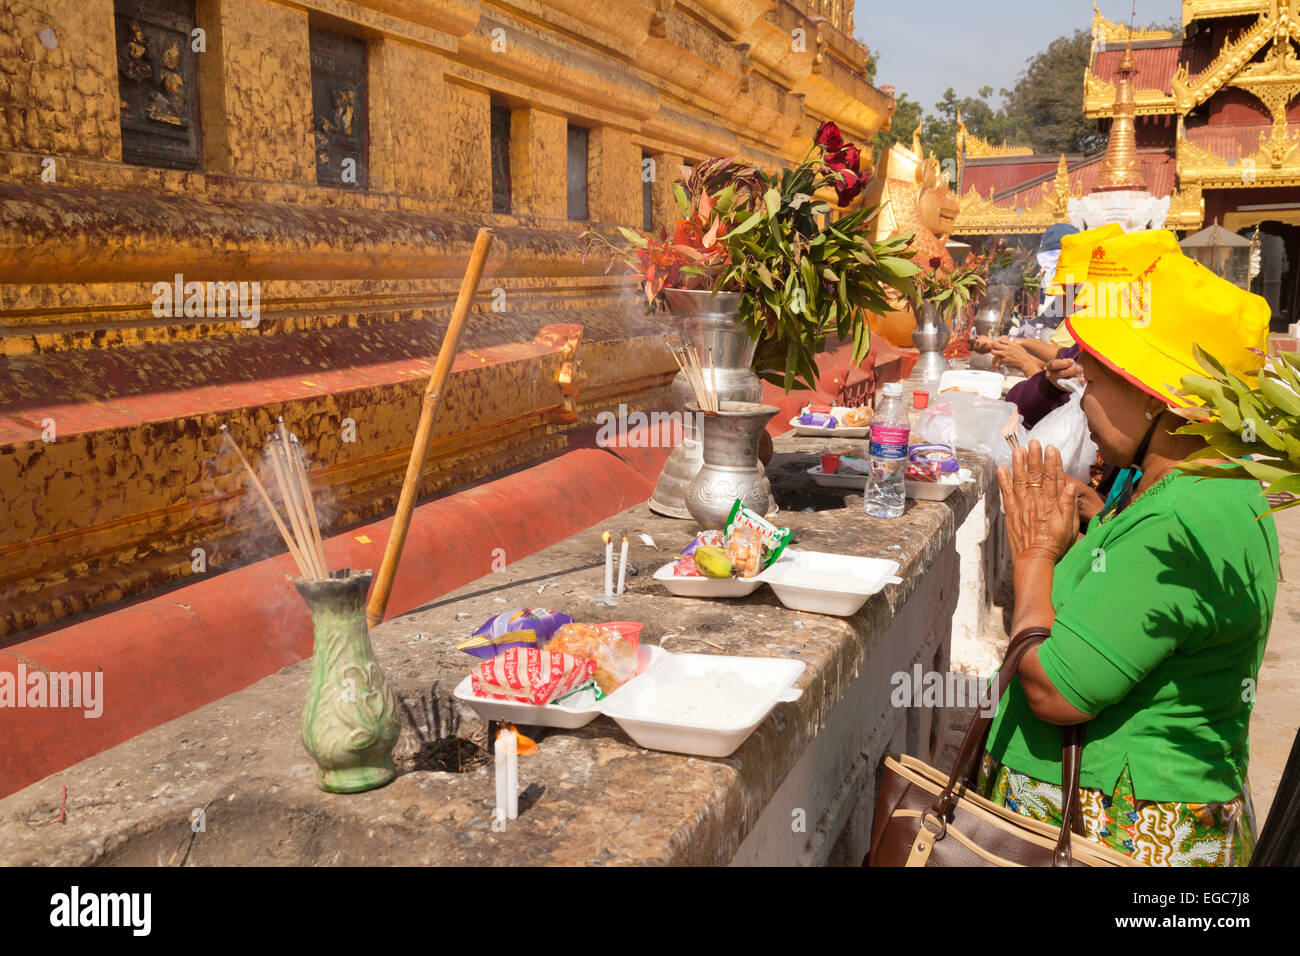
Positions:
{"x": 1160, "y": 612}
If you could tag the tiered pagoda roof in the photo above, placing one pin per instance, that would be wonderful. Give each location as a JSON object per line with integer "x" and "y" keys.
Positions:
{"x": 1224, "y": 88}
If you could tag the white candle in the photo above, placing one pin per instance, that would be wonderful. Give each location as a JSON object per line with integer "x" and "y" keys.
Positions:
{"x": 609, "y": 564}
{"x": 622, "y": 565}
{"x": 512, "y": 774}
{"x": 501, "y": 761}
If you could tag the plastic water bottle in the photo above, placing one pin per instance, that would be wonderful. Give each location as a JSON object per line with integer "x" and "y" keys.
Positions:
{"x": 886, "y": 495}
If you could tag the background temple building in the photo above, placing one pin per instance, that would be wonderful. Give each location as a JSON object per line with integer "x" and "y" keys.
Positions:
{"x": 325, "y": 165}
{"x": 1210, "y": 119}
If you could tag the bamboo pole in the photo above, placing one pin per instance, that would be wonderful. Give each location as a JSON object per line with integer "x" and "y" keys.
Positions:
{"x": 424, "y": 430}
{"x": 270, "y": 507}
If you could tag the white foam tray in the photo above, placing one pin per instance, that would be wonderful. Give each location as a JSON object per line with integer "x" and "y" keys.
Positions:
{"x": 848, "y": 480}
{"x": 706, "y": 587}
{"x": 639, "y": 706}
{"x": 919, "y": 490}
{"x": 986, "y": 384}
{"x": 577, "y": 711}
{"x": 937, "y": 490}
{"x": 840, "y": 432}
{"x": 834, "y": 584}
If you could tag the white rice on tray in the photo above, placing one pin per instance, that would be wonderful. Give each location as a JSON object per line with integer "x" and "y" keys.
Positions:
{"x": 719, "y": 699}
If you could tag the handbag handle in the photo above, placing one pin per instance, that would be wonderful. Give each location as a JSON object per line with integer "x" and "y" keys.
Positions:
{"x": 976, "y": 739}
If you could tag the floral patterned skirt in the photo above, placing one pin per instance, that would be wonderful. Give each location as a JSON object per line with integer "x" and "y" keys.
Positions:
{"x": 1157, "y": 834}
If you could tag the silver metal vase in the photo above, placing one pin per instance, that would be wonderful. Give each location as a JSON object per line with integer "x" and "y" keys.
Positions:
{"x": 729, "y": 444}
{"x": 709, "y": 321}
{"x": 930, "y": 338}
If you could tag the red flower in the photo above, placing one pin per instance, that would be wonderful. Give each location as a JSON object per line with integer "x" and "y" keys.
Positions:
{"x": 852, "y": 184}
{"x": 845, "y": 158}
{"x": 829, "y": 137}
{"x": 935, "y": 262}
{"x": 843, "y": 169}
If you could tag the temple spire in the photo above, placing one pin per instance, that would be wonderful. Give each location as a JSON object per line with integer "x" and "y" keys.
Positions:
{"x": 1122, "y": 169}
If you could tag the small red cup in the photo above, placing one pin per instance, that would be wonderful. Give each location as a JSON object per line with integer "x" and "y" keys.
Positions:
{"x": 920, "y": 399}
{"x": 630, "y": 630}
{"x": 830, "y": 464}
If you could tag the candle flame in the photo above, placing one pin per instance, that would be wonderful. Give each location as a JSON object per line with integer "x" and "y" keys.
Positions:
{"x": 523, "y": 745}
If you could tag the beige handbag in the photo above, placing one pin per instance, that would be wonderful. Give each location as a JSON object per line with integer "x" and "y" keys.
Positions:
{"x": 925, "y": 818}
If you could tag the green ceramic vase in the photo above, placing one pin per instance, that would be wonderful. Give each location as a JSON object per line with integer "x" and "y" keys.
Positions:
{"x": 349, "y": 723}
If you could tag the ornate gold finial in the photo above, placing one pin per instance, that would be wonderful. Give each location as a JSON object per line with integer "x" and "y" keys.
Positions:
{"x": 961, "y": 146}
{"x": 1122, "y": 169}
{"x": 1061, "y": 192}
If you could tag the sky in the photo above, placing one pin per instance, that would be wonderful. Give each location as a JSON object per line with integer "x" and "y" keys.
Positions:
{"x": 926, "y": 47}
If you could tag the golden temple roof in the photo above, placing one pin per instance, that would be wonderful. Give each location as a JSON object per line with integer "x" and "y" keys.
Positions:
{"x": 1121, "y": 169}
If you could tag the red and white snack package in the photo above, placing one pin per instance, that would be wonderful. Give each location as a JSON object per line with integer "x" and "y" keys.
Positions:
{"x": 530, "y": 675}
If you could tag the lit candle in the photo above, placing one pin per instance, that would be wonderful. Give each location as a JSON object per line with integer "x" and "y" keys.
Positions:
{"x": 512, "y": 774}
{"x": 622, "y": 565}
{"x": 501, "y": 761}
{"x": 609, "y": 564}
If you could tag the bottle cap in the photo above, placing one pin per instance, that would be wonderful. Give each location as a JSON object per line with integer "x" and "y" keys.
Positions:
{"x": 894, "y": 390}
{"x": 920, "y": 399}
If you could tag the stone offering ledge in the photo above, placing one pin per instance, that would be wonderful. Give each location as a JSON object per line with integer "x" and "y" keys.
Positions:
{"x": 799, "y": 790}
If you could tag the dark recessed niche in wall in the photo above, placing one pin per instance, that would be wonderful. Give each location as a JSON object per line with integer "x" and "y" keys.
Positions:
{"x": 339, "y": 117}
{"x": 157, "y": 82}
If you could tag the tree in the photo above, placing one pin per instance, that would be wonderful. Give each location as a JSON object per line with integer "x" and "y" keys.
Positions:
{"x": 979, "y": 117}
{"x": 1045, "y": 108}
{"x": 1043, "y": 111}
{"x": 907, "y": 113}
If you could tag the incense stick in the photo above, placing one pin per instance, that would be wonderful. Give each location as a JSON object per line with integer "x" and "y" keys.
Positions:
{"x": 1009, "y": 434}
{"x": 714, "y": 373}
{"x": 297, "y": 475}
{"x": 291, "y": 505}
{"x": 270, "y": 507}
{"x": 683, "y": 359}
{"x": 688, "y": 360}
{"x": 300, "y": 462}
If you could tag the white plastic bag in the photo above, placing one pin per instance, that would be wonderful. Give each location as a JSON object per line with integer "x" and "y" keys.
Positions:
{"x": 972, "y": 422}
{"x": 1066, "y": 428}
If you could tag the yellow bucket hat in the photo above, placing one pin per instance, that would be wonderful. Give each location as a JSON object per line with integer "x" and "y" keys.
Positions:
{"x": 1072, "y": 266}
{"x": 1142, "y": 305}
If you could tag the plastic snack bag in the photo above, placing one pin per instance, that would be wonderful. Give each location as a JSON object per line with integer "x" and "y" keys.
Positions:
{"x": 745, "y": 548}
{"x": 772, "y": 538}
{"x": 530, "y": 675}
{"x": 816, "y": 420}
{"x": 933, "y": 459}
{"x": 529, "y": 627}
{"x": 615, "y": 659}
{"x": 716, "y": 538}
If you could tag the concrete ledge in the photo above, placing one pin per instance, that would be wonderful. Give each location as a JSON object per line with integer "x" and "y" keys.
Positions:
{"x": 168, "y": 655}
{"x": 595, "y": 797}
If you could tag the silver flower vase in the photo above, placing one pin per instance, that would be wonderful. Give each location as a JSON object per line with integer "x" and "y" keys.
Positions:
{"x": 729, "y": 446}
{"x": 709, "y": 321}
{"x": 930, "y": 338}
{"x": 990, "y": 320}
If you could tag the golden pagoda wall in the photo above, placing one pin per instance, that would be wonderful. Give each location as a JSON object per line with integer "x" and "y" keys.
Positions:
{"x": 118, "y": 502}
